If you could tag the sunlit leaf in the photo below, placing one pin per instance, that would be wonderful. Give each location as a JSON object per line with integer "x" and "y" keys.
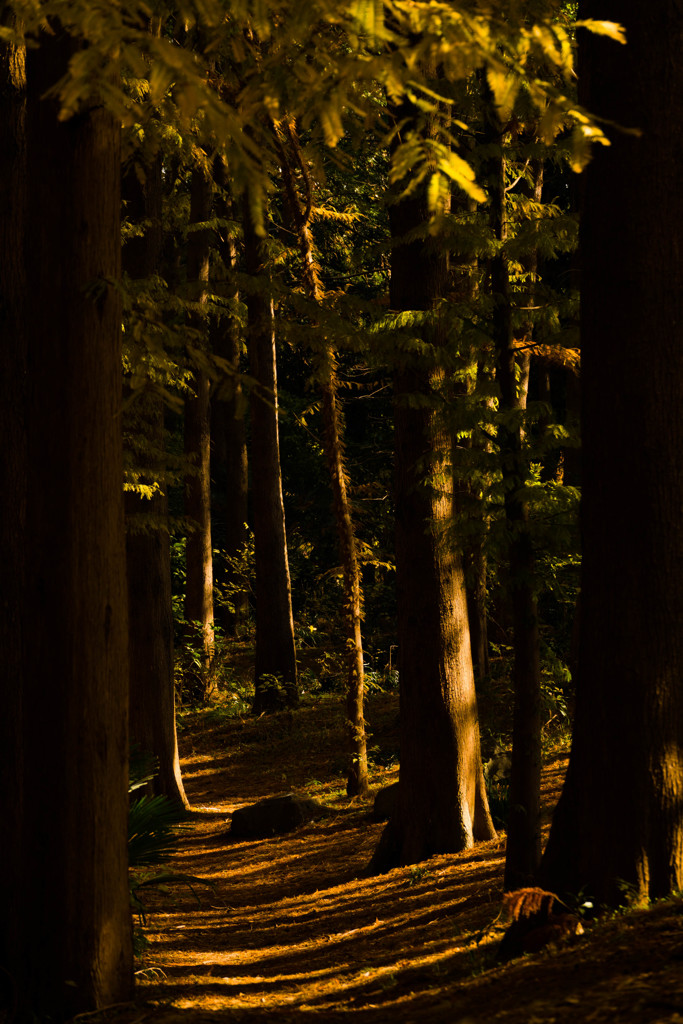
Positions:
{"x": 369, "y": 14}
{"x": 583, "y": 137}
{"x": 604, "y": 28}
{"x": 504, "y": 86}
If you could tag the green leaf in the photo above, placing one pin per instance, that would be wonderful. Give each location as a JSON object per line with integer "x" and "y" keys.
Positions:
{"x": 152, "y": 829}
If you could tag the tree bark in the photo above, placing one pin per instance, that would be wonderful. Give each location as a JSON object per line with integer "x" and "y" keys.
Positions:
{"x": 442, "y": 804}
{"x": 357, "y": 774}
{"x": 152, "y": 685}
{"x": 228, "y": 427}
{"x": 148, "y": 549}
{"x": 199, "y": 552}
{"x": 524, "y": 818}
{"x": 275, "y": 672}
{"x": 13, "y": 613}
{"x": 619, "y": 824}
{"x": 76, "y": 940}
{"x": 477, "y": 573}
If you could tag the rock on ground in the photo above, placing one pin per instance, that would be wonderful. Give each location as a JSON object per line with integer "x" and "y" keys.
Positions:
{"x": 275, "y": 816}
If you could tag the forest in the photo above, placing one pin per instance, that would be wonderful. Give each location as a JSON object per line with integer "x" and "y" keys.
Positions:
{"x": 341, "y": 546}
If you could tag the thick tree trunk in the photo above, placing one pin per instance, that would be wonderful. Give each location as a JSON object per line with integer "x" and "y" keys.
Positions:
{"x": 13, "y": 614}
{"x": 199, "y": 552}
{"x": 73, "y": 890}
{"x": 148, "y": 550}
{"x": 442, "y": 800}
{"x": 619, "y": 820}
{"x": 524, "y": 820}
{"x": 275, "y": 673}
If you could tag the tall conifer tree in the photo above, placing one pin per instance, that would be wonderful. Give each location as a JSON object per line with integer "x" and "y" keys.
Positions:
{"x": 619, "y": 822}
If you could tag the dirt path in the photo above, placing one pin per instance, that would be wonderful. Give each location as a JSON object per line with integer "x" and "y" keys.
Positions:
{"x": 292, "y": 929}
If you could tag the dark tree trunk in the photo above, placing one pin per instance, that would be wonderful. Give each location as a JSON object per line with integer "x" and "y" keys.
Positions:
{"x": 524, "y": 820}
{"x": 442, "y": 800}
{"x": 199, "y": 552}
{"x": 228, "y": 429}
{"x": 148, "y": 550}
{"x": 476, "y": 574}
{"x": 13, "y": 614}
{"x": 619, "y": 820}
{"x": 275, "y": 673}
{"x": 152, "y": 687}
{"x": 75, "y": 942}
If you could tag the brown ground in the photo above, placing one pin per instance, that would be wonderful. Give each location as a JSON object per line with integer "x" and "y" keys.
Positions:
{"x": 292, "y": 931}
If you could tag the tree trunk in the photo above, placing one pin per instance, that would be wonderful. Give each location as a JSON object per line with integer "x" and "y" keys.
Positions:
{"x": 13, "y": 613}
{"x": 333, "y": 444}
{"x": 476, "y": 574}
{"x": 148, "y": 549}
{"x": 73, "y": 889}
{"x": 152, "y": 686}
{"x": 275, "y": 673}
{"x": 463, "y": 288}
{"x": 618, "y": 824}
{"x": 199, "y": 552}
{"x": 357, "y": 775}
{"x": 524, "y": 819}
{"x": 228, "y": 430}
{"x": 442, "y": 800}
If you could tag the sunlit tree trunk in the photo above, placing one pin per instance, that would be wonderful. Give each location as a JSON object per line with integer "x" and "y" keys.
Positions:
{"x": 72, "y": 890}
{"x": 199, "y": 552}
{"x": 463, "y": 288}
{"x": 442, "y": 801}
{"x": 275, "y": 669}
{"x": 618, "y": 827}
{"x": 357, "y": 775}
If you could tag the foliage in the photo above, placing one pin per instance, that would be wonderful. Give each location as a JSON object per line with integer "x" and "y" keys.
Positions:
{"x": 153, "y": 821}
{"x": 210, "y": 79}
{"x": 155, "y": 826}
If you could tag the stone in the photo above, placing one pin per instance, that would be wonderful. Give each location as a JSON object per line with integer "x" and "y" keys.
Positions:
{"x": 275, "y": 816}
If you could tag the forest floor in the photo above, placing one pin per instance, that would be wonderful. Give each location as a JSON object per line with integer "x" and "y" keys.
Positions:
{"x": 292, "y": 929}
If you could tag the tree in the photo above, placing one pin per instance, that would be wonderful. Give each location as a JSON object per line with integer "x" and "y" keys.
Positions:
{"x": 291, "y": 160}
{"x": 524, "y": 820}
{"x": 619, "y": 823}
{"x": 73, "y": 944}
{"x": 148, "y": 551}
{"x": 442, "y": 800}
{"x": 229, "y": 460}
{"x": 199, "y": 551}
{"x": 13, "y": 295}
{"x": 275, "y": 672}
